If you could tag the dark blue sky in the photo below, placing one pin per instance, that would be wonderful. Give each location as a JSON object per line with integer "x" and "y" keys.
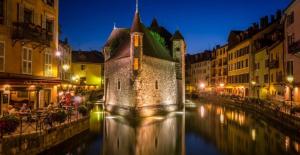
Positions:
{"x": 204, "y": 23}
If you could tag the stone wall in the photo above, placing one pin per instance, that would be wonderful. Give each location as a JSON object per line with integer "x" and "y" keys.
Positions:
{"x": 119, "y": 70}
{"x": 38, "y": 142}
{"x": 164, "y": 73}
{"x": 137, "y": 93}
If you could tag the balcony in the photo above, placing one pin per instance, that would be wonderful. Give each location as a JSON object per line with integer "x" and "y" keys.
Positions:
{"x": 274, "y": 64}
{"x": 295, "y": 47}
{"x": 31, "y": 32}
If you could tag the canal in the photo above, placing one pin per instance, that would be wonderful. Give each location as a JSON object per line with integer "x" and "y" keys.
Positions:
{"x": 205, "y": 129}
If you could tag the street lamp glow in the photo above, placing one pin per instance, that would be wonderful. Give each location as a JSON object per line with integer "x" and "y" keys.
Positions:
{"x": 222, "y": 85}
{"x": 253, "y": 82}
{"x": 58, "y": 53}
{"x": 202, "y": 85}
{"x": 66, "y": 67}
{"x": 290, "y": 79}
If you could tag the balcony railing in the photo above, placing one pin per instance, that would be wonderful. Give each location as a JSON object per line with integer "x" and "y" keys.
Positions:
{"x": 274, "y": 64}
{"x": 295, "y": 47}
{"x": 31, "y": 32}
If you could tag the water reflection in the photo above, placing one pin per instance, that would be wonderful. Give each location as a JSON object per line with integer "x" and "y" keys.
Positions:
{"x": 234, "y": 132}
{"x": 159, "y": 135}
{"x": 206, "y": 129}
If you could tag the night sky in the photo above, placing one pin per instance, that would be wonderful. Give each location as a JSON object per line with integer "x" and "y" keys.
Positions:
{"x": 204, "y": 23}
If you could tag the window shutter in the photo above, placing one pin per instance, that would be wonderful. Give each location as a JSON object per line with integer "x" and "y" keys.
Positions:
{"x": 44, "y": 21}
{"x": 21, "y": 12}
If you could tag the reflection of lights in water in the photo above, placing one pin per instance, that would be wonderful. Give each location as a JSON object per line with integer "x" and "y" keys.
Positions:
{"x": 222, "y": 118}
{"x": 156, "y": 117}
{"x": 296, "y": 146}
{"x": 287, "y": 143}
{"x": 202, "y": 111}
{"x": 110, "y": 117}
{"x": 253, "y": 134}
{"x": 179, "y": 112}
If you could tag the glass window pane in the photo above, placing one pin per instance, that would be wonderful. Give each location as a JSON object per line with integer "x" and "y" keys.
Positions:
{"x": 24, "y": 54}
{"x": 29, "y": 67}
{"x": 29, "y": 54}
{"x": 24, "y": 67}
{"x": 1, "y": 63}
{"x": 1, "y": 49}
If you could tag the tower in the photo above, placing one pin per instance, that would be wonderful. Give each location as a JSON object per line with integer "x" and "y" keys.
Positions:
{"x": 178, "y": 54}
{"x": 136, "y": 43}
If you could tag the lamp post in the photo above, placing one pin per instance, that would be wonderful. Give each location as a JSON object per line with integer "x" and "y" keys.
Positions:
{"x": 290, "y": 79}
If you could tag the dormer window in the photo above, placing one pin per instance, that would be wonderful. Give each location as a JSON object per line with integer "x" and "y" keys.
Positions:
{"x": 136, "y": 41}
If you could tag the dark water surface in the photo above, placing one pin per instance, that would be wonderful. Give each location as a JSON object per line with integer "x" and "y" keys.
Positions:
{"x": 204, "y": 130}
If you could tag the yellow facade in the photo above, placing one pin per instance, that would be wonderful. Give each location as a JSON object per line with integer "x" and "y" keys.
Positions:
{"x": 91, "y": 74}
{"x": 259, "y": 84}
{"x": 29, "y": 35}
{"x": 239, "y": 69}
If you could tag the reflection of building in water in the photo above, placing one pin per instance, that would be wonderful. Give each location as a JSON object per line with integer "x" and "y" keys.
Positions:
{"x": 234, "y": 132}
{"x": 151, "y": 136}
{"x": 96, "y": 118}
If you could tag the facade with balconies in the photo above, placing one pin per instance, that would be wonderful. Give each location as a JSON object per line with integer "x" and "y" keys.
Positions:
{"x": 292, "y": 54}
{"x": 28, "y": 46}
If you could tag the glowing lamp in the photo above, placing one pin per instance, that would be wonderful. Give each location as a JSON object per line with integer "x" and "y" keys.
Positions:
{"x": 66, "y": 67}
{"x": 253, "y": 82}
{"x": 202, "y": 85}
{"x": 58, "y": 53}
{"x": 290, "y": 79}
{"x": 222, "y": 85}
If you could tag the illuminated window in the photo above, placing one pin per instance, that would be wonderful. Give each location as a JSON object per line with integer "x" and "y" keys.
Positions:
{"x": 136, "y": 40}
{"x": 136, "y": 64}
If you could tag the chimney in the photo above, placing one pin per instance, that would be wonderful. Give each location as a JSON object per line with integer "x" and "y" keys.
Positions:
{"x": 272, "y": 18}
{"x": 278, "y": 15}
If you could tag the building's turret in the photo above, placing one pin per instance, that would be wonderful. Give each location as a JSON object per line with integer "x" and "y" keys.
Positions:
{"x": 178, "y": 54}
{"x": 136, "y": 43}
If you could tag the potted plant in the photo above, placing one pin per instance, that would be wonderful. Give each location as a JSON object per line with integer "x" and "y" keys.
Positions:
{"x": 83, "y": 110}
{"x": 9, "y": 124}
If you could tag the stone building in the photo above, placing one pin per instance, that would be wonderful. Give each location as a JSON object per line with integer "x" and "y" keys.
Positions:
{"x": 28, "y": 43}
{"x": 142, "y": 74}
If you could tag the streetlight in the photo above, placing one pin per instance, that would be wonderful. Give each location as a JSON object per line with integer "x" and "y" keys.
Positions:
{"x": 66, "y": 67}
{"x": 253, "y": 84}
{"x": 290, "y": 79}
{"x": 58, "y": 53}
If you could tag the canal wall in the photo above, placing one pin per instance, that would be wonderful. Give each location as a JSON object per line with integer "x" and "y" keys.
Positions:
{"x": 279, "y": 119}
{"x": 34, "y": 143}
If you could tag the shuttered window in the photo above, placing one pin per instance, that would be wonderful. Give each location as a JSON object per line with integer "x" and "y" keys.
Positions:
{"x": 26, "y": 60}
{"x": 48, "y": 63}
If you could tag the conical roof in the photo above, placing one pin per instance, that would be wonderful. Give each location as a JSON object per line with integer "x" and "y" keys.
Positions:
{"x": 136, "y": 24}
{"x": 177, "y": 36}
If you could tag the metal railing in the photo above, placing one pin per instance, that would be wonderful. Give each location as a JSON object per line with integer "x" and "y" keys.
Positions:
{"x": 34, "y": 122}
